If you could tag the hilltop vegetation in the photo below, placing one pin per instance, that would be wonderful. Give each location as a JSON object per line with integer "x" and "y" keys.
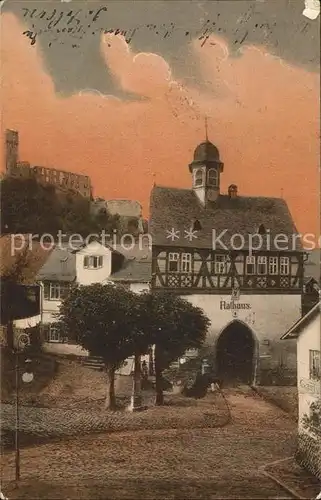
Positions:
{"x": 29, "y": 207}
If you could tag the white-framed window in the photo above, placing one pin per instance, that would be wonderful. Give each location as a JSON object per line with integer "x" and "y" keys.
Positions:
{"x": 284, "y": 265}
{"x": 186, "y": 262}
{"x": 173, "y": 262}
{"x": 273, "y": 265}
{"x": 53, "y": 333}
{"x": 314, "y": 365}
{"x": 198, "y": 180}
{"x": 250, "y": 264}
{"x": 212, "y": 177}
{"x": 93, "y": 261}
{"x": 220, "y": 264}
{"x": 261, "y": 264}
{"x": 54, "y": 291}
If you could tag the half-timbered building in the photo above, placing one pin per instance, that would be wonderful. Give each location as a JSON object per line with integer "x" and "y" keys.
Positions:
{"x": 240, "y": 259}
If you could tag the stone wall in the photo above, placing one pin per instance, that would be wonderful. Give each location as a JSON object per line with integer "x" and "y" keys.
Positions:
{"x": 308, "y": 453}
{"x": 124, "y": 208}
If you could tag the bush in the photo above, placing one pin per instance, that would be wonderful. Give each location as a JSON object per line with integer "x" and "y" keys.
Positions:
{"x": 312, "y": 423}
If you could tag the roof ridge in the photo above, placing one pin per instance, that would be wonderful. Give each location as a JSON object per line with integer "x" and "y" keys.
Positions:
{"x": 172, "y": 187}
{"x": 262, "y": 197}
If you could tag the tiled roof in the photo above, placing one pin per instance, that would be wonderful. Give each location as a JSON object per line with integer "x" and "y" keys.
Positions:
{"x": 29, "y": 259}
{"x": 312, "y": 265}
{"x": 173, "y": 208}
{"x": 137, "y": 271}
{"x": 298, "y": 326}
{"x": 307, "y": 279}
{"x": 60, "y": 266}
{"x": 138, "y": 251}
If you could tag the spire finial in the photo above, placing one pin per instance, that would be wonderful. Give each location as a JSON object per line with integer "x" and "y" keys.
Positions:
{"x": 206, "y": 134}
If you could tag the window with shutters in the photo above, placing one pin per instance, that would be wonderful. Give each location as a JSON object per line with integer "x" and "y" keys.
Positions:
{"x": 93, "y": 261}
{"x": 261, "y": 264}
{"x": 273, "y": 265}
{"x": 250, "y": 264}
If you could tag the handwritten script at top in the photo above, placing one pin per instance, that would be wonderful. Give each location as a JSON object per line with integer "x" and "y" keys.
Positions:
{"x": 75, "y": 24}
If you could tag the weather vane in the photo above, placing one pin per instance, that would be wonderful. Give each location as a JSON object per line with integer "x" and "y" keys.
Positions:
{"x": 206, "y": 134}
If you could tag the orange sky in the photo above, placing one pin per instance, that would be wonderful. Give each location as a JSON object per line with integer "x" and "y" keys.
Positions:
{"x": 263, "y": 117}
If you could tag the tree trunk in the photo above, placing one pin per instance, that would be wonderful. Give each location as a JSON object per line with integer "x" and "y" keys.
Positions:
{"x": 158, "y": 377}
{"x": 110, "y": 403}
{"x": 136, "y": 398}
{"x": 151, "y": 361}
{"x": 10, "y": 335}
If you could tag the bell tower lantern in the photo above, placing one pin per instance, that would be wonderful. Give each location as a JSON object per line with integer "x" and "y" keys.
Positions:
{"x": 206, "y": 168}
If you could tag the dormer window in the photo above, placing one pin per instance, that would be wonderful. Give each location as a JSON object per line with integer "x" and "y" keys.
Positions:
{"x": 196, "y": 225}
{"x": 198, "y": 177}
{"x": 232, "y": 191}
{"x": 261, "y": 230}
{"x": 212, "y": 177}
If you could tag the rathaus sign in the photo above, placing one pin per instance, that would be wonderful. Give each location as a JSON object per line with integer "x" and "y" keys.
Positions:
{"x": 232, "y": 305}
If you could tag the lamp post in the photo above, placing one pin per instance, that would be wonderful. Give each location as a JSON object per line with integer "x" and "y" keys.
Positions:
{"x": 22, "y": 341}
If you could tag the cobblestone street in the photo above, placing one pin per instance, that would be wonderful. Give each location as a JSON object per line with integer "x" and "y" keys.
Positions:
{"x": 181, "y": 463}
{"x": 63, "y": 422}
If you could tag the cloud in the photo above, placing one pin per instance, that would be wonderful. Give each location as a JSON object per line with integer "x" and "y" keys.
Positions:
{"x": 264, "y": 120}
{"x": 145, "y": 74}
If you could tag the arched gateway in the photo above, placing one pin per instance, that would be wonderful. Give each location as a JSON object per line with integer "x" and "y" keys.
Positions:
{"x": 236, "y": 354}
